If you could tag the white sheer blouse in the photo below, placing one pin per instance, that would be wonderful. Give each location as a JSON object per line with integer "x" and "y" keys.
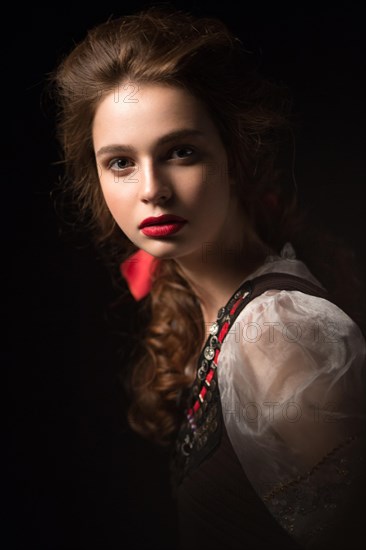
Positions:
{"x": 291, "y": 374}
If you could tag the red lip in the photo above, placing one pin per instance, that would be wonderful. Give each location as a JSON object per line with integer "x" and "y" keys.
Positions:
{"x": 162, "y": 230}
{"x": 160, "y": 220}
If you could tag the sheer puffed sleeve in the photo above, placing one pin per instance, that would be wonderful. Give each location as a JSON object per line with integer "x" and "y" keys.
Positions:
{"x": 292, "y": 384}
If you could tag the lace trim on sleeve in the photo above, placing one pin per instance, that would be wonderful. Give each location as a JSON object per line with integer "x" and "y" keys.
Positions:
{"x": 311, "y": 505}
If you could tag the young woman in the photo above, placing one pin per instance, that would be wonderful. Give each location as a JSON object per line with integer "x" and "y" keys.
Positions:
{"x": 250, "y": 367}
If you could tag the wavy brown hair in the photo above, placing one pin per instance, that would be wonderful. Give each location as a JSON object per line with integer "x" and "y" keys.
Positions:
{"x": 252, "y": 115}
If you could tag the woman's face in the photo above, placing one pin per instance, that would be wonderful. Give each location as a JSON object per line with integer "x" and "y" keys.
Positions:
{"x": 158, "y": 152}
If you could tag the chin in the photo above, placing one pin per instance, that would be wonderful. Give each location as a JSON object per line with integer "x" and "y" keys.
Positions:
{"x": 172, "y": 249}
{"x": 161, "y": 254}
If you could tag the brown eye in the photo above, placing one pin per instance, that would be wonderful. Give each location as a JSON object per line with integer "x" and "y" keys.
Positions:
{"x": 119, "y": 164}
{"x": 182, "y": 152}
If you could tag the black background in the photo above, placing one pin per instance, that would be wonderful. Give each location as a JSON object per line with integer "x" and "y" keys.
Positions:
{"x": 78, "y": 477}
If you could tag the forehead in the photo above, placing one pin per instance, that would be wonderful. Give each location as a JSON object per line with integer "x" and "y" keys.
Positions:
{"x": 147, "y": 111}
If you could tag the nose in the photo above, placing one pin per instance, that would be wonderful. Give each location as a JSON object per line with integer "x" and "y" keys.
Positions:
{"x": 154, "y": 186}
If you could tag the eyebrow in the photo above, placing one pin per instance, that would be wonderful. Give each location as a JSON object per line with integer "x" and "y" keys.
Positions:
{"x": 116, "y": 149}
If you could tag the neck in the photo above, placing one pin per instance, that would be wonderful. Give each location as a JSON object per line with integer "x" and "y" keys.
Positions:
{"x": 215, "y": 278}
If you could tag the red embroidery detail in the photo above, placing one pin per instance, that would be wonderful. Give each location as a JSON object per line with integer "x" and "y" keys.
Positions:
{"x": 235, "y": 306}
{"x": 210, "y": 375}
{"x": 223, "y": 331}
{"x": 203, "y": 392}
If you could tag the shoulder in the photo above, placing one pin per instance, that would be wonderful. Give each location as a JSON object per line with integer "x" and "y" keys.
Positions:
{"x": 284, "y": 342}
{"x": 284, "y": 339}
{"x": 296, "y": 317}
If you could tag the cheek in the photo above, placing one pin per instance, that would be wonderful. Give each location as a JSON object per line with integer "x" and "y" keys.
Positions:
{"x": 110, "y": 196}
{"x": 206, "y": 186}
{"x": 213, "y": 197}
{"x": 116, "y": 200}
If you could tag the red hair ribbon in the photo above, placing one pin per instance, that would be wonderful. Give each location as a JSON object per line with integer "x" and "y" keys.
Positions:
{"x": 138, "y": 270}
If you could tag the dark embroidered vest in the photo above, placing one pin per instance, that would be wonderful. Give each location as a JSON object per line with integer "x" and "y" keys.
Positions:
{"x": 201, "y": 430}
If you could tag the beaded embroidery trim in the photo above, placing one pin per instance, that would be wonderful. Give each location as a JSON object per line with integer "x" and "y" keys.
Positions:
{"x": 201, "y": 429}
{"x": 211, "y": 352}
